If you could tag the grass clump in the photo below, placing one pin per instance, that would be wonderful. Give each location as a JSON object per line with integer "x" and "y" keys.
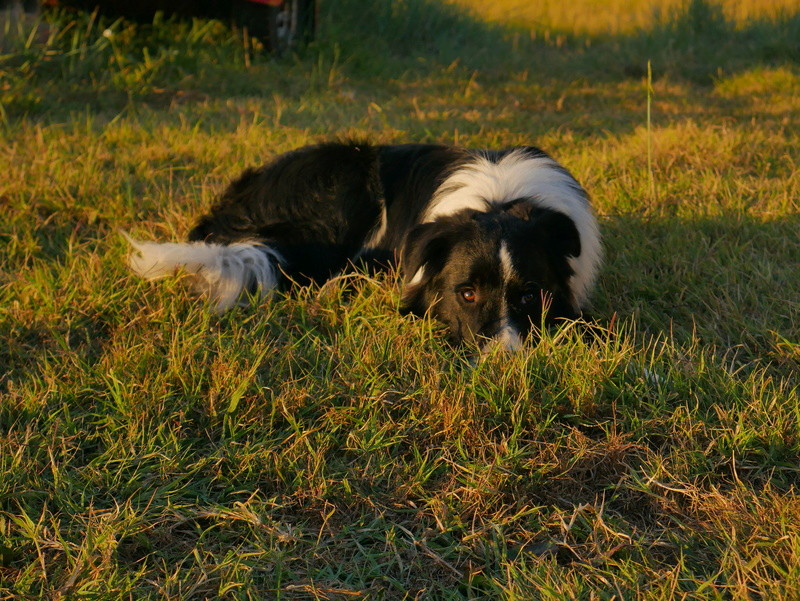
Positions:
{"x": 320, "y": 446}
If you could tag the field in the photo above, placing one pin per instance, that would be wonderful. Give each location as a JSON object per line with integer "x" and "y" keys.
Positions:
{"x": 320, "y": 446}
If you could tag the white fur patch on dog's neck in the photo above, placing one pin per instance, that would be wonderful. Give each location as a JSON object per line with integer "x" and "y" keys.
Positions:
{"x": 482, "y": 183}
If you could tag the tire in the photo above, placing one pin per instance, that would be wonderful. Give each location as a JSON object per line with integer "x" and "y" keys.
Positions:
{"x": 280, "y": 28}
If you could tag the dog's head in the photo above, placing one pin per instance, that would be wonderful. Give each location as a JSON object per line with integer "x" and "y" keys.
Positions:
{"x": 492, "y": 276}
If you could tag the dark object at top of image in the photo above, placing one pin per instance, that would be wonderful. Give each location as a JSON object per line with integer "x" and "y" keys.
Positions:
{"x": 278, "y": 24}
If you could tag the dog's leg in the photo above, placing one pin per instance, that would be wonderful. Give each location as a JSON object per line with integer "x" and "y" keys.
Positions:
{"x": 223, "y": 273}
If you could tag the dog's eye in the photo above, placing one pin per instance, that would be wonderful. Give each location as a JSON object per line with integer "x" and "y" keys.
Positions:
{"x": 528, "y": 297}
{"x": 469, "y": 295}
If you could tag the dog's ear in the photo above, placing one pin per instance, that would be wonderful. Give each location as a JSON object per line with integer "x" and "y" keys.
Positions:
{"x": 425, "y": 253}
{"x": 521, "y": 208}
{"x": 553, "y": 229}
{"x": 557, "y": 232}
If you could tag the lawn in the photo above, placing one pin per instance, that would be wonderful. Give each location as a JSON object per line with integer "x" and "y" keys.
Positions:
{"x": 320, "y": 446}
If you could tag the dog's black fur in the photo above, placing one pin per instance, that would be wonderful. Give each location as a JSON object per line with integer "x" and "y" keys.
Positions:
{"x": 492, "y": 243}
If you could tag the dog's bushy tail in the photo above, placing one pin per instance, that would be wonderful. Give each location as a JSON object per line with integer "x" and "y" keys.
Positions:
{"x": 223, "y": 273}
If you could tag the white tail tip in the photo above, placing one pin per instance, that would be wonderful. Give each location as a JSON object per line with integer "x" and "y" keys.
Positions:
{"x": 222, "y": 273}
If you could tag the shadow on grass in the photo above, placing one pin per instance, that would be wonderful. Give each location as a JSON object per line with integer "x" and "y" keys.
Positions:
{"x": 728, "y": 281}
{"x": 105, "y": 66}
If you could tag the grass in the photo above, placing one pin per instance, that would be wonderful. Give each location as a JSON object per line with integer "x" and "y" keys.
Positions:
{"x": 322, "y": 447}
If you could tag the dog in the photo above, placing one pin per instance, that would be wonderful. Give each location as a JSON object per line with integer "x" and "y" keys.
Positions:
{"x": 495, "y": 244}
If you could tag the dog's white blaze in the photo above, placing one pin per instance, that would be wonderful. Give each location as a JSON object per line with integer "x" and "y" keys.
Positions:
{"x": 508, "y": 337}
{"x": 222, "y": 272}
{"x": 482, "y": 183}
{"x": 505, "y": 262}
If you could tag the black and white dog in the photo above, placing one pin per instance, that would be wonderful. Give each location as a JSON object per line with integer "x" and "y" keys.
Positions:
{"x": 492, "y": 243}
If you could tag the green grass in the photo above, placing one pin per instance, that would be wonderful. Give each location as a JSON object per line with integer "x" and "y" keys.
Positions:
{"x": 322, "y": 447}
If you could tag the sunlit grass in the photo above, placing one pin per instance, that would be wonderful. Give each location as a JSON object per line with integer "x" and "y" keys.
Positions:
{"x": 592, "y": 17}
{"x": 320, "y": 446}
